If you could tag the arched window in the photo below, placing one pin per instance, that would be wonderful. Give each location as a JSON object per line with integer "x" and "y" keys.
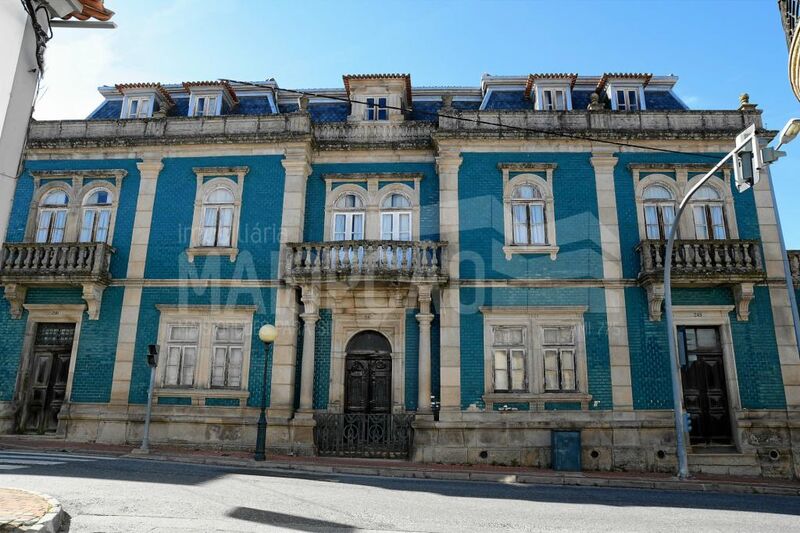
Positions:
{"x": 218, "y": 206}
{"x": 52, "y": 219}
{"x": 348, "y": 218}
{"x": 96, "y": 216}
{"x": 709, "y": 215}
{"x": 396, "y": 218}
{"x": 528, "y": 215}
{"x": 659, "y": 211}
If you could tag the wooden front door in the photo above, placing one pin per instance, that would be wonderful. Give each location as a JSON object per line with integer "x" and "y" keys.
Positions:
{"x": 48, "y": 377}
{"x": 705, "y": 392}
{"x": 368, "y": 374}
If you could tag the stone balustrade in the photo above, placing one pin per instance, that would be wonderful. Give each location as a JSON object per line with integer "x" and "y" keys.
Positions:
{"x": 411, "y": 134}
{"x": 794, "y": 263}
{"x": 34, "y": 261}
{"x": 698, "y": 260}
{"x": 376, "y": 260}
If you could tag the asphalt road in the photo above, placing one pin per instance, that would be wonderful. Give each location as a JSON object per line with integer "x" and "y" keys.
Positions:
{"x": 103, "y": 493}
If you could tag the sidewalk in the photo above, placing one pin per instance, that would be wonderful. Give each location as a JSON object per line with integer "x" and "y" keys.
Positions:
{"x": 406, "y": 469}
{"x": 22, "y": 510}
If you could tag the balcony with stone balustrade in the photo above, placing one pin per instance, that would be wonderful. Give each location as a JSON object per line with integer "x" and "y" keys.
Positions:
{"x": 366, "y": 260}
{"x": 85, "y": 265}
{"x": 702, "y": 263}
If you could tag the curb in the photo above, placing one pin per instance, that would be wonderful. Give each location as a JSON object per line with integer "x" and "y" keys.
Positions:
{"x": 50, "y": 522}
{"x": 574, "y": 479}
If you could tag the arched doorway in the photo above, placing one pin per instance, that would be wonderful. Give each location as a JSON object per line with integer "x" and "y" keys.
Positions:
{"x": 368, "y": 374}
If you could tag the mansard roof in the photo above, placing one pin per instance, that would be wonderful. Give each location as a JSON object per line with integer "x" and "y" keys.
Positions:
{"x": 347, "y": 78}
{"x": 216, "y": 83}
{"x": 92, "y": 9}
{"x": 157, "y": 87}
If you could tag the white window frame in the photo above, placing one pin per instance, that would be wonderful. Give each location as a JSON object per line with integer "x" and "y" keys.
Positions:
{"x": 395, "y": 214}
{"x": 208, "y": 110}
{"x": 706, "y": 206}
{"x": 541, "y": 96}
{"x": 645, "y": 175}
{"x": 535, "y": 320}
{"x": 349, "y": 215}
{"x": 208, "y": 180}
{"x": 375, "y": 108}
{"x": 97, "y": 210}
{"x": 373, "y": 193}
{"x": 660, "y": 206}
{"x": 53, "y": 211}
{"x": 533, "y": 175}
{"x": 207, "y": 319}
{"x": 144, "y": 104}
{"x": 637, "y": 88}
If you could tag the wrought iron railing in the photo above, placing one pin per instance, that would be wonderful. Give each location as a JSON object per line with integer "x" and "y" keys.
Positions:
{"x": 66, "y": 260}
{"x": 392, "y": 260}
{"x": 790, "y": 15}
{"x": 794, "y": 264}
{"x": 363, "y": 435}
{"x": 733, "y": 259}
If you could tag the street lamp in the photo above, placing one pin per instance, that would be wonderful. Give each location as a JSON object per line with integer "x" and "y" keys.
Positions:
{"x": 750, "y": 160}
{"x": 267, "y": 334}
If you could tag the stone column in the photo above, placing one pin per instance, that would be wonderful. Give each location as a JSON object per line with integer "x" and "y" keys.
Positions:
{"x": 296, "y": 164}
{"x": 149, "y": 170}
{"x": 310, "y": 316}
{"x": 424, "y": 317}
{"x": 604, "y": 162}
{"x": 448, "y": 161}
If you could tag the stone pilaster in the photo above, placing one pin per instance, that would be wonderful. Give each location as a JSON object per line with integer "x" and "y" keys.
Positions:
{"x": 448, "y": 162}
{"x": 424, "y": 317}
{"x": 297, "y": 166}
{"x": 781, "y": 310}
{"x": 310, "y": 317}
{"x": 149, "y": 170}
{"x": 622, "y": 394}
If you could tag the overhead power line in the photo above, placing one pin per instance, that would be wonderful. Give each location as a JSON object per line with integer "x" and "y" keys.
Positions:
{"x": 439, "y": 114}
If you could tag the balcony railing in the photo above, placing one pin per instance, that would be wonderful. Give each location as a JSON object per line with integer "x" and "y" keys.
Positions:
{"x": 34, "y": 262}
{"x": 699, "y": 260}
{"x": 794, "y": 263}
{"x": 411, "y": 134}
{"x": 790, "y": 15}
{"x": 387, "y": 260}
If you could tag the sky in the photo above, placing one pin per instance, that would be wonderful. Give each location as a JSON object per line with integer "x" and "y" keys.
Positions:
{"x": 718, "y": 48}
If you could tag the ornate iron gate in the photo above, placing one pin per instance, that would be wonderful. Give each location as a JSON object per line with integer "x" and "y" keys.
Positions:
{"x": 363, "y": 435}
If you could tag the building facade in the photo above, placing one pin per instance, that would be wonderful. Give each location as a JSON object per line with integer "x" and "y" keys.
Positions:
{"x": 456, "y": 274}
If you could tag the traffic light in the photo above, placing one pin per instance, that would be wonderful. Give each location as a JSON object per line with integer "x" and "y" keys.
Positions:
{"x": 152, "y": 355}
{"x": 748, "y": 162}
{"x": 687, "y": 422}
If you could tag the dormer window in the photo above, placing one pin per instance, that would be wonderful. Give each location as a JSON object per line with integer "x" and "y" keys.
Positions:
{"x": 627, "y": 99}
{"x": 205, "y": 106}
{"x": 138, "y": 107}
{"x": 376, "y": 109}
{"x": 551, "y": 92}
{"x": 554, "y": 100}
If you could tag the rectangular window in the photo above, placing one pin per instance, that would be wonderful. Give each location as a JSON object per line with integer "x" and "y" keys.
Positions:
{"x": 205, "y": 106}
{"x": 217, "y": 226}
{"x": 182, "y": 348}
{"x": 510, "y": 359}
{"x": 95, "y": 225}
{"x": 396, "y": 226}
{"x": 348, "y": 226}
{"x": 51, "y": 225}
{"x": 376, "y": 109}
{"x": 227, "y": 356}
{"x": 554, "y": 100}
{"x": 628, "y": 100}
{"x": 138, "y": 107}
{"x": 700, "y": 222}
{"x": 658, "y": 221}
{"x": 529, "y": 223}
{"x": 718, "y": 222}
{"x": 558, "y": 347}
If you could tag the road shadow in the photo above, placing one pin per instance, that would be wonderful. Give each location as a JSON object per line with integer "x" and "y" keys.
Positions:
{"x": 286, "y": 521}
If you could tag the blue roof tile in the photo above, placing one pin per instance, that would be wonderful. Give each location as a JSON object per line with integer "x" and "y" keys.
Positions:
{"x": 110, "y": 110}
{"x": 329, "y": 112}
{"x": 581, "y": 99}
{"x": 662, "y": 101}
{"x": 425, "y": 111}
{"x": 252, "y": 105}
{"x": 507, "y": 101}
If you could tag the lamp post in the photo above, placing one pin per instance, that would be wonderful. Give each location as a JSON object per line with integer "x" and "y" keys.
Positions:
{"x": 267, "y": 334}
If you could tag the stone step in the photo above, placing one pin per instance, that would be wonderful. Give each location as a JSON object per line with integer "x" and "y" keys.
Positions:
{"x": 722, "y": 463}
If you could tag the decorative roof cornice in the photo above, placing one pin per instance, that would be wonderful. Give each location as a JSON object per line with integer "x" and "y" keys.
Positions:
{"x": 187, "y": 85}
{"x": 92, "y": 9}
{"x": 569, "y": 78}
{"x": 636, "y": 76}
{"x": 157, "y": 87}
{"x": 347, "y": 78}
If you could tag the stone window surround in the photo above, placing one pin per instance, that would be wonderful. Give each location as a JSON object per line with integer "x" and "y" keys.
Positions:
{"x": 535, "y": 318}
{"x": 207, "y": 317}
{"x": 220, "y": 176}
{"x": 390, "y": 322}
{"x": 716, "y": 316}
{"x": 39, "y": 313}
{"x": 337, "y": 185}
{"x": 645, "y": 175}
{"x": 391, "y": 89}
{"x": 529, "y": 172}
{"x": 73, "y": 182}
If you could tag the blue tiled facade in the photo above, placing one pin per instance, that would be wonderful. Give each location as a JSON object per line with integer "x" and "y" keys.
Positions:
{"x": 489, "y": 275}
